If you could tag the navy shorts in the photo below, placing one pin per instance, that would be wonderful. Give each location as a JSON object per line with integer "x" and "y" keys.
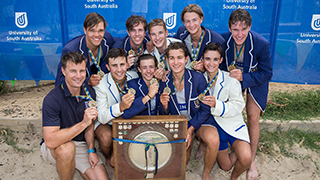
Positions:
{"x": 225, "y": 138}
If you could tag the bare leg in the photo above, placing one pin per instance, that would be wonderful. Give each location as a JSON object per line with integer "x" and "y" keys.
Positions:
{"x": 243, "y": 154}
{"x": 210, "y": 136}
{"x": 104, "y": 136}
{"x": 201, "y": 149}
{"x": 98, "y": 172}
{"x": 65, "y": 162}
{"x": 253, "y": 116}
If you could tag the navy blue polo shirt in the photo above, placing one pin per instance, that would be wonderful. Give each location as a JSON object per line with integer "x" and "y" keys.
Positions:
{"x": 61, "y": 109}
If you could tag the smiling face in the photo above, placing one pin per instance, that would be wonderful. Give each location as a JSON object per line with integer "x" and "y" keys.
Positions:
{"x": 118, "y": 68}
{"x": 211, "y": 61}
{"x": 147, "y": 68}
{"x": 177, "y": 60}
{"x": 239, "y": 31}
{"x": 158, "y": 35}
{"x": 94, "y": 35}
{"x": 75, "y": 74}
{"x": 137, "y": 34}
{"x": 193, "y": 21}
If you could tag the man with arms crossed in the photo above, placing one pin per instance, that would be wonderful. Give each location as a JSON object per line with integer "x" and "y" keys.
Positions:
{"x": 112, "y": 97}
{"x": 248, "y": 59}
{"x": 68, "y": 125}
{"x": 94, "y": 44}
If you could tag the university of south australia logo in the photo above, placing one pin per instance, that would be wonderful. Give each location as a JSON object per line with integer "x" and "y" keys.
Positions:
{"x": 315, "y": 23}
{"x": 21, "y": 19}
{"x": 170, "y": 20}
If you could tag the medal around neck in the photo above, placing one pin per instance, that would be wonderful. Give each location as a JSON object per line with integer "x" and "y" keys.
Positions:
{"x": 161, "y": 65}
{"x": 153, "y": 81}
{"x": 167, "y": 90}
{"x": 131, "y": 52}
{"x": 193, "y": 64}
{"x": 101, "y": 74}
{"x": 93, "y": 103}
{"x": 132, "y": 91}
{"x": 201, "y": 97}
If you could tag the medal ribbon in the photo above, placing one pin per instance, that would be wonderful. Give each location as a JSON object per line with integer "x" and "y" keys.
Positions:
{"x": 175, "y": 89}
{"x": 195, "y": 51}
{"x": 125, "y": 86}
{"x": 87, "y": 97}
{"x": 140, "y": 50}
{"x": 162, "y": 56}
{"x": 96, "y": 61}
{"x": 210, "y": 84}
{"x": 236, "y": 54}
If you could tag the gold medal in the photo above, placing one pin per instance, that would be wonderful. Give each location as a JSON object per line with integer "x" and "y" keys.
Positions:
{"x": 231, "y": 67}
{"x": 132, "y": 91}
{"x": 92, "y": 103}
{"x": 101, "y": 74}
{"x": 167, "y": 90}
{"x": 153, "y": 81}
{"x": 131, "y": 53}
{"x": 161, "y": 65}
{"x": 193, "y": 64}
{"x": 201, "y": 97}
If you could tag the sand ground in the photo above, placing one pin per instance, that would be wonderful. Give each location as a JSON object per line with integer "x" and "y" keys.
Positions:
{"x": 26, "y": 105}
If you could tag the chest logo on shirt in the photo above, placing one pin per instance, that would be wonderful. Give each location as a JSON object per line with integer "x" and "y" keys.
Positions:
{"x": 183, "y": 107}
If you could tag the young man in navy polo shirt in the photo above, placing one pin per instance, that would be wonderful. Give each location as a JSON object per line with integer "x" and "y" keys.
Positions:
{"x": 68, "y": 129}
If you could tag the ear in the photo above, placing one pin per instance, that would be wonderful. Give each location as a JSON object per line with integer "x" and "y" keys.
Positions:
{"x": 167, "y": 33}
{"x": 187, "y": 59}
{"x": 249, "y": 27}
{"x": 63, "y": 72}
{"x": 221, "y": 59}
{"x": 139, "y": 69}
{"x": 201, "y": 19}
{"x": 108, "y": 67}
{"x": 128, "y": 33}
{"x": 85, "y": 31}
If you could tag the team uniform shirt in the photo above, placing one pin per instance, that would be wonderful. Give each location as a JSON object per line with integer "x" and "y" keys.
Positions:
{"x": 137, "y": 107}
{"x": 229, "y": 105}
{"x": 78, "y": 44}
{"x": 109, "y": 98}
{"x": 194, "y": 84}
{"x": 63, "y": 110}
{"x": 257, "y": 66}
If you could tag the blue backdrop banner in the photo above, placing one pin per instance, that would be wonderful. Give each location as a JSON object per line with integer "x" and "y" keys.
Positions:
{"x": 32, "y": 33}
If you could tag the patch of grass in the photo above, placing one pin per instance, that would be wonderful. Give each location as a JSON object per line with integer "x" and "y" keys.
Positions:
{"x": 282, "y": 141}
{"x": 7, "y": 136}
{"x": 3, "y": 88}
{"x": 299, "y": 105}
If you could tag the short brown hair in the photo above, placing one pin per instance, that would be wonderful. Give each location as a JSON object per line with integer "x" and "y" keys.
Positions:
{"x": 74, "y": 57}
{"x": 93, "y": 19}
{"x": 157, "y": 22}
{"x": 240, "y": 15}
{"x": 192, "y": 8}
{"x": 214, "y": 47}
{"x": 177, "y": 46}
{"x": 135, "y": 20}
{"x": 146, "y": 57}
{"x": 116, "y": 52}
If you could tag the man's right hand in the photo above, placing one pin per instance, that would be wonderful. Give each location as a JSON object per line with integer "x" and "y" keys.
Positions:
{"x": 153, "y": 90}
{"x": 94, "y": 80}
{"x": 164, "y": 99}
{"x": 90, "y": 114}
{"x": 126, "y": 101}
{"x": 130, "y": 60}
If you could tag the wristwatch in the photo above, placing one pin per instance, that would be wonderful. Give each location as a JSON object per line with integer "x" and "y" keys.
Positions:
{"x": 93, "y": 150}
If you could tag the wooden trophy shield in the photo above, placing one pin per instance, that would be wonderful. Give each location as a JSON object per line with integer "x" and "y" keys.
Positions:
{"x": 142, "y": 141}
